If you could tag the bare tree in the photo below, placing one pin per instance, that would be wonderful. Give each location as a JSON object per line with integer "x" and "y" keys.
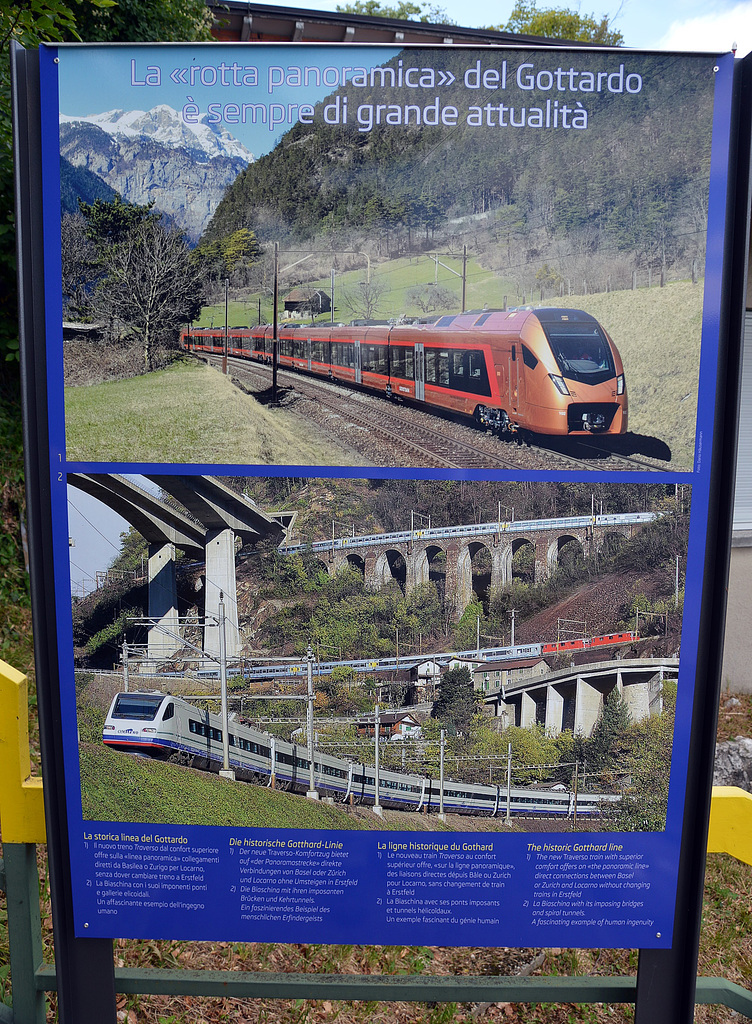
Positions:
{"x": 152, "y": 284}
{"x": 428, "y": 297}
{"x": 81, "y": 265}
{"x": 364, "y": 299}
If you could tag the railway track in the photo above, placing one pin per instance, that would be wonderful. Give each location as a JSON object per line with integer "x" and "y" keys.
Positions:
{"x": 391, "y": 434}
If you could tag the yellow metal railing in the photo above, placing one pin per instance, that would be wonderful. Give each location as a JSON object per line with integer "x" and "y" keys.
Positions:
{"x": 731, "y": 823}
{"x": 21, "y": 807}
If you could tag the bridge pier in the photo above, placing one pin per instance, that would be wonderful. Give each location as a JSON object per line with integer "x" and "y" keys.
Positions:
{"x": 369, "y": 574}
{"x": 554, "y": 710}
{"x": 587, "y": 708}
{"x": 501, "y": 567}
{"x": 163, "y": 602}
{"x": 220, "y": 578}
{"x": 459, "y": 577}
{"x": 418, "y": 571}
{"x": 528, "y": 708}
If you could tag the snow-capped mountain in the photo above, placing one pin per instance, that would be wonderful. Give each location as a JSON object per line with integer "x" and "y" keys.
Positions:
{"x": 153, "y": 155}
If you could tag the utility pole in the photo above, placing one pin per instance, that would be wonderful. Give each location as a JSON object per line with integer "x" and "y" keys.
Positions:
{"x": 442, "y": 816}
{"x": 125, "y": 666}
{"x": 312, "y": 793}
{"x": 508, "y": 819}
{"x": 226, "y": 772}
{"x": 464, "y": 277}
{"x": 275, "y": 322}
{"x": 227, "y": 339}
{"x": 377, "y": 808}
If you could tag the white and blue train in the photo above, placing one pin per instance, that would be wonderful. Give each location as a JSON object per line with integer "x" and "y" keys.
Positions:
{"x": 169, "y": 728}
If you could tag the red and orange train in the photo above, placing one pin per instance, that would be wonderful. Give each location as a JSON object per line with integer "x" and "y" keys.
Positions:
{"x": 549, "y": 371}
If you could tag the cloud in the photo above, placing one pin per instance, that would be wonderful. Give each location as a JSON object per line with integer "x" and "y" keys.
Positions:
{"x": 714, "y": 30}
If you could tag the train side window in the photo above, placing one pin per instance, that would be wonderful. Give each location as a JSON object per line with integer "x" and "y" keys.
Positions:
{"x": 374, "y": 358}
{"x": 430, "y": 364}
{"x": 169, "y": 712}
{"x": 476, "y": 375}
{"x": 343, "y": 353}
{"x": 514, "y": 353}
{"x": 528, "y": 358}
{"x": 443, "y": 368}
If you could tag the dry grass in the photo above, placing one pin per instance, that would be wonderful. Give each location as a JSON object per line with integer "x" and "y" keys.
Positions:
{"x": 189, "y": 413}
{"x": 657, "y": 332}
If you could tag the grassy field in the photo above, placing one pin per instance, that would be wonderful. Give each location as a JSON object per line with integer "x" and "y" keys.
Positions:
{"x": 657, "y": 332}
{"x": 119, "y": 787}
{"x": 189, "y": 414}
{"x": 395, "y": 278}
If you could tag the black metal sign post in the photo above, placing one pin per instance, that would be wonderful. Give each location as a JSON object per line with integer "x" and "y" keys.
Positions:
{"x": 85, "y": 974}
{"x": 666, "y": 978}
{"x": 86, "y": 980}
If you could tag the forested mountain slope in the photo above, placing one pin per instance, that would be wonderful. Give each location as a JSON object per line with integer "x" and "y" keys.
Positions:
{"x": 634, "y": 181}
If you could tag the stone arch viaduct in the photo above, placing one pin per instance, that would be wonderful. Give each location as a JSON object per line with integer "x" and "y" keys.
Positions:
{"x": 414, "y": 557}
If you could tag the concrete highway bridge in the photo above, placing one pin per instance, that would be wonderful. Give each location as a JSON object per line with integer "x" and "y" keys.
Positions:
{"x": 572, "y": 698}
{"x": 213, "y": 518}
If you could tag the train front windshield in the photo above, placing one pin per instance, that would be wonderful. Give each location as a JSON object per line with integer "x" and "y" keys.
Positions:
{"x": 140, "y": 706}
{"x": 582, "y": 351}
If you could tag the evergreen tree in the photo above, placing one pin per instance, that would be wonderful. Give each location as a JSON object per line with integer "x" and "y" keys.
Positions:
{"x": 456, "y": 703}
{"x": 606, "y": 743}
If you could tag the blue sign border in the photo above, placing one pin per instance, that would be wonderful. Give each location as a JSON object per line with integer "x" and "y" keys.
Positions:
{"x": 359, "y": 922}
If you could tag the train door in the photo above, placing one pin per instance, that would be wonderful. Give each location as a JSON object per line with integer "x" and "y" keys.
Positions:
{"x": 308, "y": 353}
{"x": 516, "y": 377}
{"x": 420, "y": 374}
{"x": 356, "y": 356}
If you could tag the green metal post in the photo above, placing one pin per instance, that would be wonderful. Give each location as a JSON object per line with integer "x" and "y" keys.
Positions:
{"x": 24, "y": 932}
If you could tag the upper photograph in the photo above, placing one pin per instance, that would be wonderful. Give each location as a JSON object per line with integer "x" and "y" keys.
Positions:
{"x": 381, "y": 256}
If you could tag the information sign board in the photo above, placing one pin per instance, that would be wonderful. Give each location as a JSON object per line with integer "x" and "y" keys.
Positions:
{"x": 402, "y": 644}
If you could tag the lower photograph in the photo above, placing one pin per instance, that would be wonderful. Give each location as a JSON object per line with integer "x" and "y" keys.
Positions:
{"x": 376, "y": 654}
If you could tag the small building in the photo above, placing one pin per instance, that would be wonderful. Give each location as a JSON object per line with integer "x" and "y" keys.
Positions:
{"x": 307, "y": 300}
{"x": 393, "y": 725}
{"x": 494, "y": 676}
{"x": 471, "y": 664}
{"x": 73, "y": 331}
{"x": 426, "y": 676}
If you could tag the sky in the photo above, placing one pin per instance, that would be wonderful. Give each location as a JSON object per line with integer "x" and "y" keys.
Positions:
{"x": 94, "y": 535}
{"x": 670, "y": 25}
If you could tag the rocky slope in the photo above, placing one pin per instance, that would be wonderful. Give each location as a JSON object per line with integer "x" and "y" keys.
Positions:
{"x": 153, "y": 156}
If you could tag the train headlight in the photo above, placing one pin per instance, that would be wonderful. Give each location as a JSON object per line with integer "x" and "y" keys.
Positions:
{"x": 148, "y": 730}
{"x": 620, "y": 384}
{"x": 559, "y": 384}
